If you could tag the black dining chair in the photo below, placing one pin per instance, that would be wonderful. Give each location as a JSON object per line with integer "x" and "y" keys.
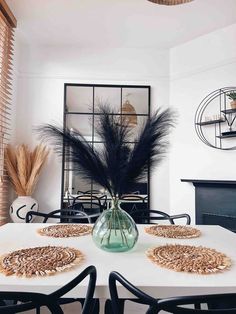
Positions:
{"x": 25, "y": 301}
{"x": 116, "y": 305}
{"x": 63, "y": 215}
{"x": 92, "y": 192}
{"x": 154, "y": 216}
{"x": 103, "y": 201}
{"x": 18, "y": 302}
{"x": 80, "y": 192}
{"x": 92, "y": 205}
{"x": 215, "y": 303}
{"x": 133, "y": 202}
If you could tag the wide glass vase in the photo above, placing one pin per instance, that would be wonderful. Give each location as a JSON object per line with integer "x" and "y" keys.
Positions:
{"x": 115, "y": 230}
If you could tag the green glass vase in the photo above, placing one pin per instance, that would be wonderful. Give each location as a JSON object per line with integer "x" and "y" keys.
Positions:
{"x": 115, "y": 230}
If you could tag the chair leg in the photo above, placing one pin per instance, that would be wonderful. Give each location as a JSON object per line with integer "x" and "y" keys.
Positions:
{"x": 108, "y": 306}
{"x": 122, "y": 305}
{"x": 96, "y": 303}
{"x": 197, "y": 306}
{"x": 96, "y": 307}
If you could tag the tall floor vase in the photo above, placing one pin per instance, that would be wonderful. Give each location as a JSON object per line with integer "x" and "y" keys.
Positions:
{"x": 115, "y": 230}
{"x": 21, "y": 206}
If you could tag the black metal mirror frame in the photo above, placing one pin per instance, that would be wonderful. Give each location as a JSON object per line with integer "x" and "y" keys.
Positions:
{"x": 93, "y": 114}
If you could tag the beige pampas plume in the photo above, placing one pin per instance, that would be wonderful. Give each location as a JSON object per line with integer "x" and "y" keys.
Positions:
{"x": 24, "y": 166}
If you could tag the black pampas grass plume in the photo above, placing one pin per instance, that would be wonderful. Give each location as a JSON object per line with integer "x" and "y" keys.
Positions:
{"x": 118, "y": 167}
{"x": 87, "y": 162}
{"x": 150, "y": 147}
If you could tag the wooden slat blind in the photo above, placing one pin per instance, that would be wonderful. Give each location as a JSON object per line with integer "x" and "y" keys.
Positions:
{"x": 6, "y": 55}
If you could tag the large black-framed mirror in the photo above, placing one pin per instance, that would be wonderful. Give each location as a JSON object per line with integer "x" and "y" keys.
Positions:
{"x": 80, "y": 110}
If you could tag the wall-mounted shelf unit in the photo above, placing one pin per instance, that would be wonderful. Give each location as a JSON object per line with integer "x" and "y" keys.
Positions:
{"x": 227, "y": 135}
{"x": 214, "y": 111}
{"x": 228, "y": 111}
{"x": 211, "y": 122}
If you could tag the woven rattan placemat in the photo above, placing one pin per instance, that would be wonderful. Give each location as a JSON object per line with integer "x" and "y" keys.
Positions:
{"x": 39, "y": 261}
{"x": 188, "y": 258}
{"x": 65, "y": 230}
{"x": 173, "y": 231}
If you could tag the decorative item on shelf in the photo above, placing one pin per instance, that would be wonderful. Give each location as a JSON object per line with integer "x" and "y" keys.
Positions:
{"x": 214, "y": 118}
{"x": 232, "y": 96}
{"x": 128, "y": 114}
{"x": 229, "y": 133}
{"x": 117, "y": 167}
{"x": 217, "y": 117}
{"x": 23, "y": 167}
{"x": 170, "y": 2}
{"x": 212, "y": 130}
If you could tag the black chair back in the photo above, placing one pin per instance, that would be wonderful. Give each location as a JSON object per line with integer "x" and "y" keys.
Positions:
{"x": 116, "y": 305}
{"x": 92, "y": 192}
{"x": 29, "y": 301}
{"x": 212, "y": 304}
{"x": 80, "y": 192}
{"x": 133, "y": 202}
{"x": 154, "y": 216}
{"x": 215, "y": 303}
{"x": 63, "y": 215}
{"x": 89, "y": 302}
{"x": 36, "y": 300}
{"x": 90, "y": 204}
{"x": 133, "y": 197}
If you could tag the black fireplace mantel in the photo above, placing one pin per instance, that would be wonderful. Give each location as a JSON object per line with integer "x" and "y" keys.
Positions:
{"x": 197, "y": 182}
{"x": 215, "y": 202}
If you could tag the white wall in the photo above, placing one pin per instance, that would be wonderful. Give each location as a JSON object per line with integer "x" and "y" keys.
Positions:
{"x": 198, "y": 68}
{"x": 42, "y": 74}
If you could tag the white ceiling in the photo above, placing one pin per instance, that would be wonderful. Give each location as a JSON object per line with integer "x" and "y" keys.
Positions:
{"x": 119, "y": 23}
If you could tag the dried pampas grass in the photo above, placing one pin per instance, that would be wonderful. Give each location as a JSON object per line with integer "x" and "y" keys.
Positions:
{"x": 24, "y": 166}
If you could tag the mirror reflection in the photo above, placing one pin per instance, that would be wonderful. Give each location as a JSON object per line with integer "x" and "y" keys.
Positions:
{"x": 130, "y": 103}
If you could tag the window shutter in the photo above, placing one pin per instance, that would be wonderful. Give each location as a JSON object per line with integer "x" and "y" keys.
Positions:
{"x": 7, "y": 24}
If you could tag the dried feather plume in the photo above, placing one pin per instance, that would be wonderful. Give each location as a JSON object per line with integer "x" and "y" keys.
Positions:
{"x": 118, "y": 166}
{"x": 24, "y": 167}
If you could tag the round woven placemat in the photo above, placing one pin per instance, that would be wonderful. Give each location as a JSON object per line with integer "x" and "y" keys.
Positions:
{"x": 173, "y": 231}
{"x": 65, "y": 231}
{"x": 39, "y": 261}
{"x": 187, "y": 258}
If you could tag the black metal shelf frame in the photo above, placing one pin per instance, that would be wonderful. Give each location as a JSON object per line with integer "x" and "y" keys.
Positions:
{"x": 227, "y": 111}
{"x": 210, "y": 122}
{"x": 229, "y": 117}
{"x": 226, "y": 136}
{"x": 93, "y": 114}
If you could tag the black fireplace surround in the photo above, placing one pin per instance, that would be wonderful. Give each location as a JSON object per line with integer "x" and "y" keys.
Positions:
{"x": 215, "y": 202}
